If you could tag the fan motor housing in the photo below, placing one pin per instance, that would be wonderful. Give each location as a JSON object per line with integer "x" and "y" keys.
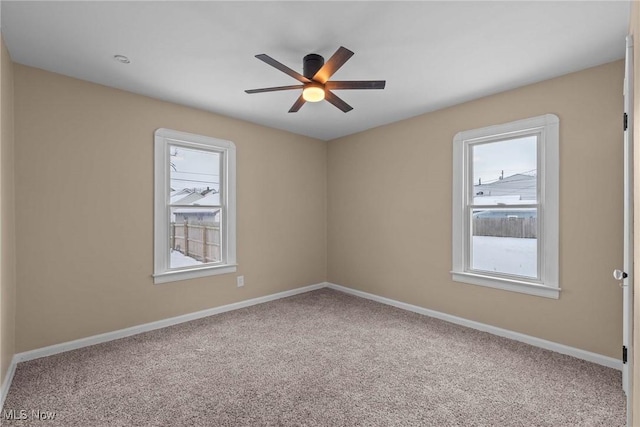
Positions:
{"x": 311, "y": 64}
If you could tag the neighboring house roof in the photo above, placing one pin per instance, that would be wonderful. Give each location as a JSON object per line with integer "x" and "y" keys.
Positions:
{"x": 212, "y": 198}
{"x": 177, "y": 194}
{"x": 186, "y": 199}
{"x": 514, "y": 189}
{"x": 189, "y": 196}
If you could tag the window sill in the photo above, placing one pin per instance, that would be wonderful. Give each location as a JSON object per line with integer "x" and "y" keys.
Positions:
{"x": 174, "y": 276}
{"x": 507, "y": 284}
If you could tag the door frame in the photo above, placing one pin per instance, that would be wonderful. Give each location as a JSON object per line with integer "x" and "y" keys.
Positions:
{"x": 628, "y": 253}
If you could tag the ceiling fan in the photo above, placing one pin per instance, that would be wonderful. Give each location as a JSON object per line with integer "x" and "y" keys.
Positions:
{"x": 316, "y": 85}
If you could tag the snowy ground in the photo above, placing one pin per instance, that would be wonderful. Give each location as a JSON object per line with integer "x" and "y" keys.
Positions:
{"x": 509, "y": 255}
{"x": 179, "y": 260}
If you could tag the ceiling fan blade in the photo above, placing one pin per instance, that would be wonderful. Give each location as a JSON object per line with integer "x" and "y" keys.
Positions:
{"x": 332, "y": 98}
{"x": 338, "y": 59}
{"x": 297, "y": 105}
{"x": 363, "y": 84}
{"x": 274, "y": 89}
{"x": 269, "y": 60}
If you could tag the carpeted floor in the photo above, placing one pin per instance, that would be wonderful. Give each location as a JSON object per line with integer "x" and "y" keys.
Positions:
{"x": 322, "y": 358}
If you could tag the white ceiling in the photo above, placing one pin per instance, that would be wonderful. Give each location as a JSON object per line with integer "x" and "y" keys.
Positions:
{"x": 201, "y": 54}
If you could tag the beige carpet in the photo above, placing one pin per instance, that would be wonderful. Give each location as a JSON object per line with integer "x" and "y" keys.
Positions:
{"x": 318, "y": 359}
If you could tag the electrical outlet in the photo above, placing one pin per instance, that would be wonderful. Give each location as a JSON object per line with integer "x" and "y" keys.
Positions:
{"x": 240, "y": 281}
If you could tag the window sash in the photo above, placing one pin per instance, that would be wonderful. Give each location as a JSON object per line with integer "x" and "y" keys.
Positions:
{"x": 202, "y": 147}
{"x": 469, "y": 144}
{"x": 470, "y": 206}
{"x": 468, "y": 267}
{"x": 222, "y": 173}
{"x": 205, "y": 244}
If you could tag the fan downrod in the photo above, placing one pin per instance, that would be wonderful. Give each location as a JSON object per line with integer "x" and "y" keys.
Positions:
{"x": 311, "y": 64}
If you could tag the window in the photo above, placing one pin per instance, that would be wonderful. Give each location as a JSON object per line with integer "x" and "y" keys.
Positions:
{"x": 505, "y": 206}
{"x": 195, "y": 224}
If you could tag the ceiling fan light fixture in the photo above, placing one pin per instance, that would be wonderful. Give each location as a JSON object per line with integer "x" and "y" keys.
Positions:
{"x": 313, "y": 93}
{"x": 316, "y": 84}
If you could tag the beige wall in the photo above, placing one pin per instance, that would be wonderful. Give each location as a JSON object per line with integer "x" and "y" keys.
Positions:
{"x": 389, "y": 211}
{"x": 84, "y": 209}
{"x": 7, "y": 218}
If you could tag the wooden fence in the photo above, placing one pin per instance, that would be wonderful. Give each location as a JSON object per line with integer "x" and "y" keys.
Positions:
{"x": 505, "y": 227}
{"x": 198, "y": 241}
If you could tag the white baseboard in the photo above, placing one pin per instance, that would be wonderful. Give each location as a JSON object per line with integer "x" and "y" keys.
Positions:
{"x": 528, "y": 339}
{"x": 7, "y": 381}
{"x": 134, "y": 330}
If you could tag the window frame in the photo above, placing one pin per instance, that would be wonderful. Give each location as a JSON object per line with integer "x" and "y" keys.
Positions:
{"x": 163, "y": 139}
{"x": 547, "y": 128}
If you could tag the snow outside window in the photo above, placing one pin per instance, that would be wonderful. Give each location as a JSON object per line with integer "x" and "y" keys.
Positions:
{"x": 505, "y": 206}
{"x": 194, "y": 206}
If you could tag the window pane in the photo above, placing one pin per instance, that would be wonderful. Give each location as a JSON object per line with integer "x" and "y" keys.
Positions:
{"x": 505, "y": 172}
{"x": 505, "y": 241}
{"x": 194, "y": 174}
{"x": 194, "y": 236}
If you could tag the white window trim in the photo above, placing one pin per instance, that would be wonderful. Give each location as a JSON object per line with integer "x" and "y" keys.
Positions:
{"x": 549, "y": 164}
{"x": 163, "y": 138}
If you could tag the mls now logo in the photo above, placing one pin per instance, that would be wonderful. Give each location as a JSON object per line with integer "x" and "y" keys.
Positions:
{"x": 43, "y": 415}
{"x": 14, "y": 414}
{"x": 23, "y": 414}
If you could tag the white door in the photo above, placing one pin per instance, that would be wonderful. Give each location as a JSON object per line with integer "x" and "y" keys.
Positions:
{"x": 626, "y": 275}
